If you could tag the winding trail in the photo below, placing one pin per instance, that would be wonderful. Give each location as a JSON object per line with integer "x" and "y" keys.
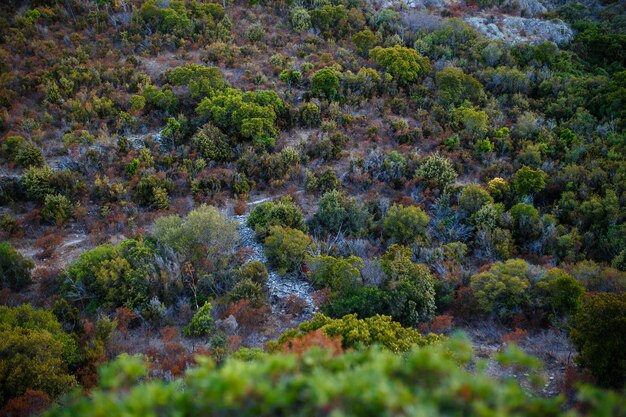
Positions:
{"x": 279, "y": 287}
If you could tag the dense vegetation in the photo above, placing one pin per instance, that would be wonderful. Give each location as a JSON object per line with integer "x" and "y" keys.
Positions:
{"x": 299, "y": 203}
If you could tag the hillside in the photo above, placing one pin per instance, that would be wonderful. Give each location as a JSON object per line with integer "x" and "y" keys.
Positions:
{"x": 334, "y": 188}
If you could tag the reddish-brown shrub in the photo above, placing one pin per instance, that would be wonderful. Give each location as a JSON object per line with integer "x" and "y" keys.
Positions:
{"x": 48, "y": 244}
{"x": 124, "y": 316}
{"x": 240, "y": 207}
{"x": 301, "y": 344}
{"x": 516, "y": 336}
{"x": 168, "y": 333}
{"x": 31, "y": 403}
{"x": 294, "y": 305}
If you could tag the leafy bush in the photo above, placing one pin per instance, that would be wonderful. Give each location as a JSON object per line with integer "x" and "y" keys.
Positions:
{"x": 410, "y": 285}
{"x": 339, "y": 213}
{"x": 356, "y": 333}
{"x": 433, "y": 380}
{"x": 325, "y": 83}
{"x": 528, "y": 181}
{"x": 57, "y": 208}
{"x": 561, "y": 292}
{"x": 35, "y": 353}
{"x": 473, "y": 198}
{"x": 151, "y": 189}
{"x": 36, "y": 182}
{"x": 202, "y": 323}
{"x": 404, "y": 64}
{"x": 14, "y": 268}
{"x": 598, "y": 334}
{"x": 246, "y": 289}
{"x": 455, "y": 86}
{"x": 438, "y": 171}
{"x": 251, "y": 115}
{"x": 300, "y": 19}
{"x": 282, "y": 212}
{"x": 503, "y": 289}
{"x": 405, "y": 224}
{"x": 364, "y": 41}
{"x": 338, "y": 274}
{"x": 114, "y": 276}
{"x": 254, "y": 271}
{"x": 204, "y": 233}
{"x": 286, "y": 248}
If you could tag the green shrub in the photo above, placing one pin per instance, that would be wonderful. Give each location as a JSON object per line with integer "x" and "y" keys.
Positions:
{"x": 433, "y": 380}
{"x": 561, "y": 291}
{"x": 246, "y": 289}
{"x": 473, "y": 198}
{"x": 57, "y": 208}
{"x": 254, "y": 271}
{"x": 438, "y": 171}
{"x": 286, "y": 248}
{"x": 338, "y": 274}
{"x": 14, "y": 268}
{"x": 36, "y": 182}
{"x": 404, "y": 64}
{"x": 528, "y": 181}
{"x": 405, "y": 224}
{"x": 503, "y": 289}
{"x": 339, "y": 213}
{"x": 598, "y": 334}
{"x": 325, "y": 83}
{"x": 114, "y": 276}
{"x": 282, "y": 212}
{"x": 364, "y": 41}
{"x": 202, "y": 323}
{"x": 300, "y": 19}
{"x": 203, "y": 234}
{"x": 356, "y": 333}
{"x": 35, "y": 353}
{"x": 411, "y": 287}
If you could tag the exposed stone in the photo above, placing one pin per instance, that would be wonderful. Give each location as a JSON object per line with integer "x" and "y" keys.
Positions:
{"x": 514, "y": 29}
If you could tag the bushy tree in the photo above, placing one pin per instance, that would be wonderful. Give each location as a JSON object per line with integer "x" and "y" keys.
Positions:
{"x": 455, "y": 86}
{"x": 57, "y": 208}
{"x": 36, "y": 182}
{"x": 254, "y": 271}
{"x": 251, "y": 115}
{"x": 286, "y": 248}
{"x": 502, "y": 290}
{"x": 405, "y": 224}
{"x": 526, "y": 221}
{"x": 14, "y": 268}
{"x": 598, "y": 333}
{"x": 475, "y": 122}
{"x": 404, "y": 64}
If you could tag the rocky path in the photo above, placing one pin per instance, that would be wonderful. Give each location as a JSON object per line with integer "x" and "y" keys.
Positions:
{"x": 279, "y": 287}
